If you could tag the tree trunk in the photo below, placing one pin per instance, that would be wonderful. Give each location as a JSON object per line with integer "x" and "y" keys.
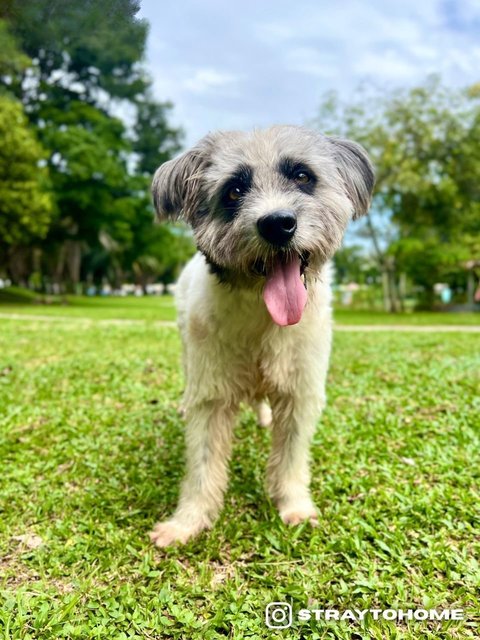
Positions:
{"x": 59, "y": 270}
{"x": 385, "y": 291}
{"x": 470, "y": 289}
{"x": 386, "y": 263}
{"x": 18, "y": 265}
{"x": 395, "y": 305}
{"x": 73, "y": 253}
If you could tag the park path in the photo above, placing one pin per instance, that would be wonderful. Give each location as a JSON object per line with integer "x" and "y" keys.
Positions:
{"x": 437, "y": 328}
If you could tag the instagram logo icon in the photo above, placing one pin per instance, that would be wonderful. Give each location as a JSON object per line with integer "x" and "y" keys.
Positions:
{"x": 278, "y": 615}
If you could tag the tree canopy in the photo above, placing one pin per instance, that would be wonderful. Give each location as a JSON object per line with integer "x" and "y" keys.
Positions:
{"x": 26, "y": 203}
{"x": 424, "y": 144}
{"x": 67, "y": 70}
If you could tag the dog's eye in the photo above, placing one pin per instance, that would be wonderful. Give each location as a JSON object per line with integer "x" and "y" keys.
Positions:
{"x": 302, "y": 177}
{"x": 235, "y": 193}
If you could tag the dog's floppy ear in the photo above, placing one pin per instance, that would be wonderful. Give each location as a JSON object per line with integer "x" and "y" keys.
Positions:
{"x": 176, "y": 183}
{"x": 357, "y": 173}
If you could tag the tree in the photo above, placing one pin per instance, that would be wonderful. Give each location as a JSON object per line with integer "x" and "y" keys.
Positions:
{"x": 85, "y": 63}
{"x": 89, "y": 50}
{"x": 26, "y": 207}
{"x": 425, "y": 217}
{"x": 92, "y": 186}
{"x": 353, "y": 265}
{"x": 155, "y": 140}
{"x": 12, "y": 60}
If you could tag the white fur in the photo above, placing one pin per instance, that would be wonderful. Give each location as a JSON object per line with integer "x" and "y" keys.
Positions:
{"x": 233, "y": 352}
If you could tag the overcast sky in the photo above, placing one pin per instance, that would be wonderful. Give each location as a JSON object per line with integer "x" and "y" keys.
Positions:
{"x": 236, "y": 65}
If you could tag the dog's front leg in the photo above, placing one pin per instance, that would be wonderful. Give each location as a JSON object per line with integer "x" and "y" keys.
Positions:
{"x": 288, "y": 474}
{"x": 208, "y": 446}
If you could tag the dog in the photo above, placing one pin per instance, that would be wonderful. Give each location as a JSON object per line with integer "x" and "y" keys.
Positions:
{"x": 268, "y": 210}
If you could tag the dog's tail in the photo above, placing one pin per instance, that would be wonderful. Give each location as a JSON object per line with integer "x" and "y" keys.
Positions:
{"x": 264, "y": 413}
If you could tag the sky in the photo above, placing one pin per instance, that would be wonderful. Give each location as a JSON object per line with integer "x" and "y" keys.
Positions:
{"x": 232, "y": 65}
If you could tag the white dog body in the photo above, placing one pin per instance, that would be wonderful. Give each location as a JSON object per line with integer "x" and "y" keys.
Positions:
{"x": 249, "y": 357}
{"x": 234, "y": 353}
{"x": 268, "y": 211}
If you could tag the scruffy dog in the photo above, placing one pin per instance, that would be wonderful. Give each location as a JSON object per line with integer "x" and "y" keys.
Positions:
{"x": 268, "y": 210}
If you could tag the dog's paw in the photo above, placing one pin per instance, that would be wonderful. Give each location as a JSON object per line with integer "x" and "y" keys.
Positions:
{"x": 171, "y": 532}
{"x": 294, "y": 516}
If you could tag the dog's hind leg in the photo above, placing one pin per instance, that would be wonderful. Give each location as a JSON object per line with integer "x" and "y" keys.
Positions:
{"x": 208, "y": 446}
{"x": 288, "y": 474}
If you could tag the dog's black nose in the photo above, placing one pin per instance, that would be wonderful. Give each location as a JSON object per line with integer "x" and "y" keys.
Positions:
{"x": 277, "y": 227}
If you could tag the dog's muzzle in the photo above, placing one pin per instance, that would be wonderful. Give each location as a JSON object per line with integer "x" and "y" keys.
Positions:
{"x": 278, "y": 227}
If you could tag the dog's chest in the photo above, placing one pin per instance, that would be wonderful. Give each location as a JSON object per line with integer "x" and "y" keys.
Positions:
{"x": 261, "y": 356}
{"x": 231, "y": 345}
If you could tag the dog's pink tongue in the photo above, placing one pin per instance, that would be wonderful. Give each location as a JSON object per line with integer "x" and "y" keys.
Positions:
{"x": 284, "y": 293}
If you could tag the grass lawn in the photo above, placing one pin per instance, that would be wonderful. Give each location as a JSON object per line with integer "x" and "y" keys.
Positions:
{"x": 95, "y": 308}
{"x": 20, "y": 301}
{"x": 346, "y": 316}
{"x": 91, "y": 446}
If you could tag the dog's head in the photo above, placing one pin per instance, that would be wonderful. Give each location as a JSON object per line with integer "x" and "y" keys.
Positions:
{"x": 267, "y": 208}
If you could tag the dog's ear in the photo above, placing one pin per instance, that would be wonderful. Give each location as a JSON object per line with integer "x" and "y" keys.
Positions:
{"x": 176, "y": 184}
{"x": 357, "y": 173}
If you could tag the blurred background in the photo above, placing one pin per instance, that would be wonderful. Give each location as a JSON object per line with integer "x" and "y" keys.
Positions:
{"x": 94, "y": 95}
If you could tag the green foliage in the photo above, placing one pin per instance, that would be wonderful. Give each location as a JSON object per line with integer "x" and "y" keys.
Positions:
{"x": 155, "y": 140}
{"x": 25, "y": 204}
{"x": 97, "y": 44}
{"x": 85, "y": 60}
{"x": 88, "y": 170}
{"x": 353, "y": 265}
{"x": 12, "y": 60}
{"x": 160, "y": 249}
{"x": 424, "y": 143}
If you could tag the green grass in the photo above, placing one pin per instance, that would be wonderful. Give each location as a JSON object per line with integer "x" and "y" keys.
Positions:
{"x": 346, "y": 316}
{"x": 92, "y": 454}
{"x": 24, "y": 302}
{"x": 96, "y": 308}
{"x": 17, "y": 295}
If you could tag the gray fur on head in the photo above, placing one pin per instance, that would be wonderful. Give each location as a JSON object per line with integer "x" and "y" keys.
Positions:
{"x": 263, "y": 164}
{"x": 177, "y": 183}
{"x": 357, "y": 172}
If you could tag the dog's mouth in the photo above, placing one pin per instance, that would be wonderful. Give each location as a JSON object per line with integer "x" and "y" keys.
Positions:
{"x": 263, "y": 267}
{"x": 285, "y": 291}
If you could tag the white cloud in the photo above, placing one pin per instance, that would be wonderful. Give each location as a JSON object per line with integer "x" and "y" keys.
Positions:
{"x": 272, "y": 33}
{"x": 311, "y": 61}
{"x": 390, "y": 65}
{"x": 207, "y": 79}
